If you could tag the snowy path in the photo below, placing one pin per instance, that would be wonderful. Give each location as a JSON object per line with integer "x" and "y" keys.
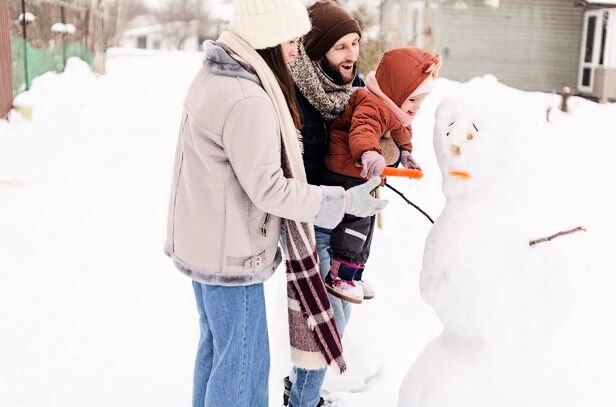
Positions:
{"x": 93, "y": 313}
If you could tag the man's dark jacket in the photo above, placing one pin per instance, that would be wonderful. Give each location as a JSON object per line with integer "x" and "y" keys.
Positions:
{"x": 314, "y": 136}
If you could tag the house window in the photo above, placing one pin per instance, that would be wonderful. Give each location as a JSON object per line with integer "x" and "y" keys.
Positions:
{"x": 141, "y": 42}
{"x": 586, "y": 77}
{"x": 606, "y": 15}
{"x": 590, "y": 38}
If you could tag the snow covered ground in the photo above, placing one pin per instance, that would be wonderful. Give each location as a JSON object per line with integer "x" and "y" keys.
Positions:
{"x": 93, "y": 314}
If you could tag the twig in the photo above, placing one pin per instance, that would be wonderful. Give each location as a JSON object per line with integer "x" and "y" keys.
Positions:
{"x": 554, "y": 236}
{"x": 379, "y": 215}
{"x": 409, "y": 202}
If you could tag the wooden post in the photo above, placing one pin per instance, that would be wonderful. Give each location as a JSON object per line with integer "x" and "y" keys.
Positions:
{"x": 24, "y": 24}
{"x": 565, "y": 93}
{"x": 91, "y": 29}
{"x": 64, "y": 35}
{"x": 86, "y": 30}
{"x": 97, "y": 35}
{"x": 6, "y": 61}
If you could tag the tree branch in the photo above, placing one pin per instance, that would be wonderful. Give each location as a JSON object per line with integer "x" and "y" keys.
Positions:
{"x": 554, "y": 236}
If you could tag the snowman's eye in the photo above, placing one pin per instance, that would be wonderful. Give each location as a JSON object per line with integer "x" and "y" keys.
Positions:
{"x": 469, "y": 136}
{"x": 450, "y": 126}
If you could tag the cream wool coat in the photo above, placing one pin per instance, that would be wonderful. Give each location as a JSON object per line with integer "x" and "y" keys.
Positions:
{"x": 228, "y": 192}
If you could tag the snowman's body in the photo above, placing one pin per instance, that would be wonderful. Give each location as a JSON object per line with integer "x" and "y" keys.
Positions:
{"x": 501, "y": 300}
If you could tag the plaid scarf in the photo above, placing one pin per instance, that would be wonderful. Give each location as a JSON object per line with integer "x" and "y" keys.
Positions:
{"x": 326, "y": 96}
{"x": 315, "y": 342}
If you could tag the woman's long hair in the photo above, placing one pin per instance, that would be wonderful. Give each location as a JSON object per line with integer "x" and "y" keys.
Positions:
{"x": 275, "y": 60}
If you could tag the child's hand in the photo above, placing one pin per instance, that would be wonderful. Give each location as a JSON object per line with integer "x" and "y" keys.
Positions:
{"x": 408, "y": 161}
{"x": 372, "y": 163}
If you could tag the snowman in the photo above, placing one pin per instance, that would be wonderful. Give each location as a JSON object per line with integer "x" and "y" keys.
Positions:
{"x": 502, "y": 264}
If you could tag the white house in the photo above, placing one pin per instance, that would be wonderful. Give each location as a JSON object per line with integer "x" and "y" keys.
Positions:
{"x": 147, "y": 33}
{"x": 597, "y": 73}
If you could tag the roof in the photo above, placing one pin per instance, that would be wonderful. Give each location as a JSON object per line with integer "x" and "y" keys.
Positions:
{"x": 611, "y": 3}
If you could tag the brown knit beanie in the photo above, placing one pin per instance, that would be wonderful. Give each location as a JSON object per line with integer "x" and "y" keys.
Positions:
{"x": 330, "y": 22}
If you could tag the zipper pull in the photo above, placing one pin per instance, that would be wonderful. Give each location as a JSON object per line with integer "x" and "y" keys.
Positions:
{"x": 264, "y": 225}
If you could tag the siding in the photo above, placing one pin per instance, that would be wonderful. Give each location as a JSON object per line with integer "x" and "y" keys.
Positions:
{"x": 6, "y": 69}
{"x": 527, "y": 44}
{"x": 605, "y": 84}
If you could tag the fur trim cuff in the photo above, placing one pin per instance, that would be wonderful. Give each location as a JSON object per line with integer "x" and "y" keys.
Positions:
{"x": 332, "y": 207}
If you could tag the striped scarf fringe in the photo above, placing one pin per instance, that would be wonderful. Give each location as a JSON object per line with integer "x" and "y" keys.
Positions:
{"x": 311, "y": 318}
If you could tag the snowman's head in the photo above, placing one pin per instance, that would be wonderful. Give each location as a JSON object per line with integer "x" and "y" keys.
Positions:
{"x": 485, "y": 142}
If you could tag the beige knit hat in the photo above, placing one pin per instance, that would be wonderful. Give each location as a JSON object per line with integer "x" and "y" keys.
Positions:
{"x": 267, "y": 23}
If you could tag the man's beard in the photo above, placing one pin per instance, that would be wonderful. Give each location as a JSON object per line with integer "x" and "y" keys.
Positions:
{"x": 334, "y": 72}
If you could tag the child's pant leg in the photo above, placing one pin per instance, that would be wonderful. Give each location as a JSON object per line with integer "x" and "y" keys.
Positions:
{"x": 351, "y": 239}
{"x": 350, "y": 242}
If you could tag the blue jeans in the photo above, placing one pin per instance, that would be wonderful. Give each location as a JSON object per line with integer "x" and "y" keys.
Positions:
{"x": 232, "y": 365}
{"x": 306, "y": 389}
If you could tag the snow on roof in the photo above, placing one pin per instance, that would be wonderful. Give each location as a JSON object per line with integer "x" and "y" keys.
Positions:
{"x": 145, "y": 30}
{"x": 600, "y": 2}
{"x": 144, "y": 20}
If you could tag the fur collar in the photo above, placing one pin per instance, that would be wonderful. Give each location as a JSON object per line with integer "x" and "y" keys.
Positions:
{"x": 221, "y": 60}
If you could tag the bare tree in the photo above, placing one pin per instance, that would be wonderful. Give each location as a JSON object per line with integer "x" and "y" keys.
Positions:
{"x": 118, "y": 16}
{"x": 370, "y": 54}
{"x": 183, "y": 18}
{"x": 371, "y": 49}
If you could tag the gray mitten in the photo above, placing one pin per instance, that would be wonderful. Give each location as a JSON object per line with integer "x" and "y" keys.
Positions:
{"x": 359, "y": 201}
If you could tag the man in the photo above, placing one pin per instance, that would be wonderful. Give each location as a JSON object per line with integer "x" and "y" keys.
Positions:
{"x": 324, "y": 72}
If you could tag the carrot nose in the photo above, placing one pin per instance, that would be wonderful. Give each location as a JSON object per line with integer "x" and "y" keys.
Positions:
{"x": 460, "y": 174}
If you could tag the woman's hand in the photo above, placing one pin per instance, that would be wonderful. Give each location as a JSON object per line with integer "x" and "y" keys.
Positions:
{"x": 361, "y": 203}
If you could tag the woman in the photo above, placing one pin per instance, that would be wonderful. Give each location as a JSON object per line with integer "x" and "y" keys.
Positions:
{"x": 238, "y": 178}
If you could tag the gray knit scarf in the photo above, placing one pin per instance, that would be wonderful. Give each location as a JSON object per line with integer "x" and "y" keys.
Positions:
{"x": 327, "y": 97}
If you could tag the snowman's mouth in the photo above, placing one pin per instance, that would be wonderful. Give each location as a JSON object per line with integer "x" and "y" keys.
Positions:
{"x": 460, "y": 174}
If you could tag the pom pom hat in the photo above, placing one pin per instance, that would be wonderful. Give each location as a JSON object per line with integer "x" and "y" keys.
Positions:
{"x": 268, "y": 23}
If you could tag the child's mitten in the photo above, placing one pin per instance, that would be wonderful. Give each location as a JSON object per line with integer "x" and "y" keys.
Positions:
{"x": 408, "y": 161}
{"x": 372, "y": 163}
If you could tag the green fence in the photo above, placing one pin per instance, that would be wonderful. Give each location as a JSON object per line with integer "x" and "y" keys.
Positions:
{"x": 42, "y": 60}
